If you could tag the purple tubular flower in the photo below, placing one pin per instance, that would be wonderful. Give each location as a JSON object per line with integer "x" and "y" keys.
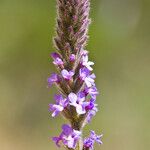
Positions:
{"x": 96, "y": 138}
{"x": 90, "y": 80}
{"x": 90, "y": 115}
{"x": 87, "y": 77}
{"x": 84, "y": 52}
{"x": 57, "y": 140}
{"x": 92, "y": 110}
{"x": 78, "y": 102}
{"x": 72, "y": 57}
{"x": 87, "y": 63}
{"x": 92, "y": 91}
{"x": 58, "y": 62}
{"x": 89, "y": 142}
{"x": 75, "y": 80}
{"x": 69, "y": 137}
{"x": 91, "y": 105}
{"x": 55, "y": 55}
{"x": 67, "y": 74}
{"x": 61, "y": 103}
{"x": 53, "y": 79}
{"x": 83, "y": 73}
{"x": 57, "y": 59}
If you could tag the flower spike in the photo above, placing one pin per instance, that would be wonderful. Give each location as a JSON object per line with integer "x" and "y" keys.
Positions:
{"x": 74, "y": 80}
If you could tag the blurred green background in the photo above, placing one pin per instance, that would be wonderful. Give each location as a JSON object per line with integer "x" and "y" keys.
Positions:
{"x": 120, "y": 47}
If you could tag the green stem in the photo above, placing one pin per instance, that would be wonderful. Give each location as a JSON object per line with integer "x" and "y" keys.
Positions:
{"x": 80, "y": 144}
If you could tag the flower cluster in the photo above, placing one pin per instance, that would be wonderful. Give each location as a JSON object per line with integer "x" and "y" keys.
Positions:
{"x": 89, "y": 142}
{"x": 68, "y": 137}
{"x": 76, "y": 100}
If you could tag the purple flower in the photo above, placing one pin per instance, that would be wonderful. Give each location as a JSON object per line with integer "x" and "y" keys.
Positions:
{"x": 91, "y": 105}
{"x": 78, "y": 102}
{"x": 91, "y": 112}
{"x": 92, "y": 91}
{"x": 55, "y": 55}
{"x": 96, "y": 138}
{"x": 84, "y": 52}
{"x": 87, "y": 63}
{"x": 84, "y": 72}
{"x": 72, "y": 57}
{"x": 89, "y": 142}
{"x": 69, "y": 137}
{"x": 57, "y": 59}
{"x": 53, "y": 79}
{"x": 58, "y": 62}
{"x": 87, "y": 77}
{"x": 61, "y": 103}
{"x": 90, "y": 80}
{"x": 57, "y": 140}
{"x": 67, "y": 74}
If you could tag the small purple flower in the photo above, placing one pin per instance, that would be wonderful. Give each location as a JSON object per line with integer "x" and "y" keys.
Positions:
{"x": 96, "y": 138}
{"x": 72, "y": 57}
{"x": 57, "y": 140}
{"x": 84, "y": 52}
{"x": 87, "y": 77}
{"x": 91, "y": 114}
{"x": 89, "y": 142}
{"x": 84, "y": 72}
{"x": 90, "y": 80}
{"x": 87, "y": 63}
{"x": 92, "y": 91}
{"x": 69, "y": 137}
{"x": 53, "y": 79}
{"x": 58, "y": 62}
{"x": 67, "y": 74}
{"x": 61, "y": 103}
{"x": 57, "y": 59}
{"x": 74, "y": 101}
{"x": 92, "y": 109}
{"x": 91, "y": 105}
{"x": 55, "y": 55}
{"x": 78, "y": 102}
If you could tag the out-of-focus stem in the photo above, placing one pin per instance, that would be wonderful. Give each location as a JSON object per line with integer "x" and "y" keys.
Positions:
{"x": 81, "y": 144}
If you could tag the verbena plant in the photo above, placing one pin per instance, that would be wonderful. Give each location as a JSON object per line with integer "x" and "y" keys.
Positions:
{"x": 74, "y": 78}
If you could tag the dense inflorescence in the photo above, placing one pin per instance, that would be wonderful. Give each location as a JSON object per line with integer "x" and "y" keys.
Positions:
{"x": 74, "y": 78}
